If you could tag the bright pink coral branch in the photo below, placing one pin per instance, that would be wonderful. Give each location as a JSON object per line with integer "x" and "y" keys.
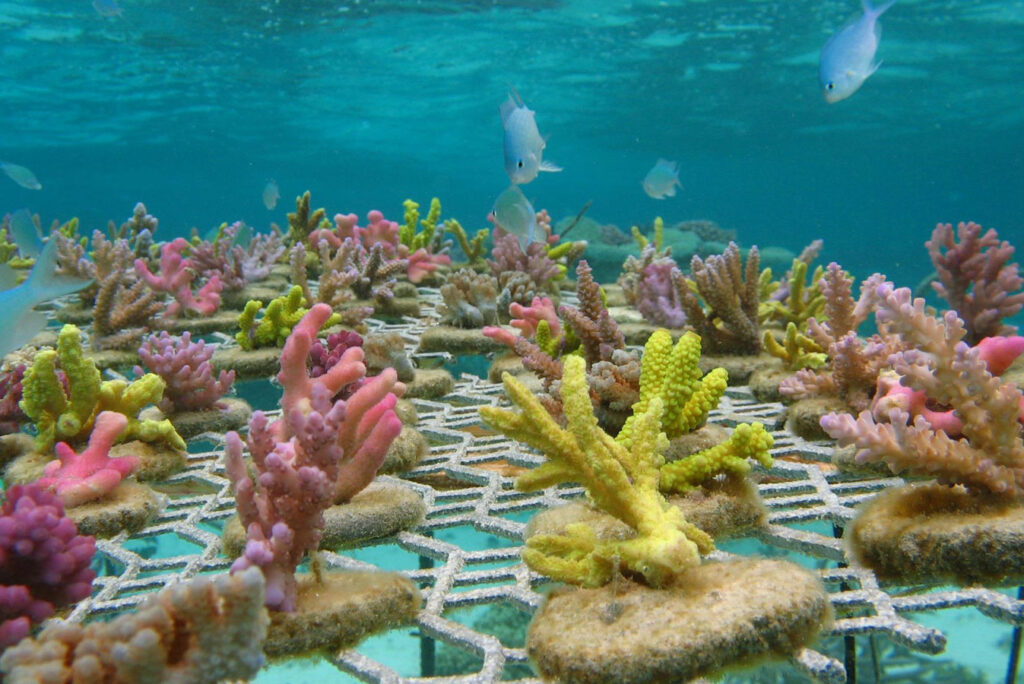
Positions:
{"x": 176, "y": 276}
{"x": 84, "y": 477}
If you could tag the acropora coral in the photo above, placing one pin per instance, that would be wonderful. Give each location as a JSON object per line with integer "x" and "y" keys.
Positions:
{"x": 63, "y": 406}
{"x": 273, "y": 328}
{"x": 619, "y": 481}
{"x": 185, "y": 368}
{"x": 730, "y": 290}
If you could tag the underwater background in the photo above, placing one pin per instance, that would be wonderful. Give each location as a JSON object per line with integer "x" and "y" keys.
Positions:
{"x": 192, "y": 106}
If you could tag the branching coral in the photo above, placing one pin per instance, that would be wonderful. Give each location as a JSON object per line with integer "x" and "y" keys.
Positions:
{"x": 78, "y": 478}
{"x": 470, "y": 300}
{"x": 205, "y": 631}
{"x": 730, "y": 325}
{"x": 509, "y": 263}
{"x": 320, "y": 451}
{"x": 853, "y": 363}
{"x": 125, "y": 306}
{"x": 649, "y": 284}
{"x": 990, "y": 456}
{"x": 64, "y": 405}
{"x": 185, "y": 368}
{"x": 44, "y": 562}
{"x": 273, "y": 328}
{"x": 302, "y": 222}
{"x": 976, "y": 278}
{"x": 175, "y": 278}
{"x": 622, "y": 482}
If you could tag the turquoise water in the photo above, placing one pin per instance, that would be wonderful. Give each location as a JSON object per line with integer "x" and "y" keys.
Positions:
{"x": 192, "y": 106}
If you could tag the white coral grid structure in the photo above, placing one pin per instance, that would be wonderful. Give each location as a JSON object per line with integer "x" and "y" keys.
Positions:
{"x": 801, "y": 488}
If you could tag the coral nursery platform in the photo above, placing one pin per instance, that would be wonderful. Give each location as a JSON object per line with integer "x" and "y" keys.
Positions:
{"x": 478, "y": 595}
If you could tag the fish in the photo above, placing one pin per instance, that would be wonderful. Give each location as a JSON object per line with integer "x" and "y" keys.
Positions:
{"x": 106, "y": 8}
{"x": 848, "y": 56}
{"x": 19, "y": 323}
{"x": 25, "y": 234}
{"x": 524, "y": 146}
{"x": 515, "y": 215}
{"x": 661, "y": 181}
{"x": 20, "y": 175}
{"x": 271, "y": 194}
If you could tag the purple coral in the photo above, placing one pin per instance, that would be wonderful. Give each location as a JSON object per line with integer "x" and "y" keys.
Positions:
{"x": 325, "y": 355}
{"x": 657, "y": 299}
{"x": 11, "y": 415}
{"x": 185, "y": 367}
{"x": 44, "y": 562}
{"x": 976, "y": 278}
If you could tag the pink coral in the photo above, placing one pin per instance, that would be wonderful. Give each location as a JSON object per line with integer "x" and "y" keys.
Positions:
{"x": 319, "y": 452}
{"x": 92, "y": 474}
{"x": 176, "y": 278}
{"x": 185, "y": 367}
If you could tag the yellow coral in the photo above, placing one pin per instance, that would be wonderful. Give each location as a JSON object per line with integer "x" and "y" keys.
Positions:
{"x": 622, "y": 482}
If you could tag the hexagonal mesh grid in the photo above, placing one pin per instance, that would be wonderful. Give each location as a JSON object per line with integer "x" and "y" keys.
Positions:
{"x": 466, "y": 552}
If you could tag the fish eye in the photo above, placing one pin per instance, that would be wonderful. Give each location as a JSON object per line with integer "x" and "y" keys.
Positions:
{"x": 519, "y": 164}
{"x": 830, "y": 86}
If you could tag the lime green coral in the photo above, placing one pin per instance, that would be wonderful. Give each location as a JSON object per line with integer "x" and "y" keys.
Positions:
{"x": 473, "y": 249}
{"x": 622, "y": 482}
{"x": 281, "y": 315}
{"x": 797, "y": 350}
{"x": 748, "y": 440}
{"x": 659, "y": 235}
{"x": 803, "y": 301}
{"x": 407, "y": 234}
{"x": 672, "y": 373}
{"x": 64, "y": 410}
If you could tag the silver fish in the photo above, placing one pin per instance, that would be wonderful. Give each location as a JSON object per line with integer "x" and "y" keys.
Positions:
{"x": 20, "y": 175}
{"x": 848, "y": 57}
{"x": 25, "y": 233}
{"x": 524, "y": 146}
{"x": 514, "y": 214}
{"x": 661, "y": 181}
{"x": 271, "y": 194}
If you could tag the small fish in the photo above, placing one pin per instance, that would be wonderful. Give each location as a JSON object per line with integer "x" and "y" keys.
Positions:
{"x": 106, "y": 8}
{"x": 661, "y": 181}
{"x": 524, "y": 147}
{"x": 21, "y": 176}
{"x": 271, "y": 194}
{"x": 25, "y": 234}
{"x": 18, "y": 322}
{"x": 514, "y": 213}
{"x": 848, "y": 57}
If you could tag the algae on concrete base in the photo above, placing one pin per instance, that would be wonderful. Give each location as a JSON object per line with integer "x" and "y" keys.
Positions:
{"x": 429, "y": 383}
{"x": 248, "y": 365}
{"x": 380, "y": 510}
{"x": 739, "y": 367}
{"x": 405, "y": 452}
{"x": 933, "y": 533}
{"x": 719, "y": 615}
{"x": 341, "y": 610}
{"x": 127, "y": 508}
{"x": 804, "y": 416}
{"x": 458, "y": 341}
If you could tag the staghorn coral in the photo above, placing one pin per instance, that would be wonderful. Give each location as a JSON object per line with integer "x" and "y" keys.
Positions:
{"x": 976, "y": 279}
{"x": 730, "y": 325}
{"x": 273, "y": 328}
{"x": 509, "y": 261}
{"x": 376, "y": 273}
{"x": 175, "y": 278}
{"x": 302, "y": 222}
{"x": 990, "y": 456}
{"x": 185, "y": 368}
{"x": 472, "y": 249}
{"x": 619, "y": 481}
{"x": 320, "y": 451}
{"x": 470, "y": 300}
{"x": 44, "y": 562}
{"x": 205, "y": 631}
{"x": 125, "y": 306}
{"x": 853, "y": 364}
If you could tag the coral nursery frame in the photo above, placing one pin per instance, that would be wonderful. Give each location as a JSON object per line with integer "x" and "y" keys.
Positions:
{"x": 808, "y": 501}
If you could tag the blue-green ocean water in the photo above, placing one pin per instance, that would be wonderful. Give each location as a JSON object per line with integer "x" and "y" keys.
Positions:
{"x": 191, "y": 107}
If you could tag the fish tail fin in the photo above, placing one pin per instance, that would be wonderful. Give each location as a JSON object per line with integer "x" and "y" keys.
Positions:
{"x": 877, "y": 10}
{"x": 548, "y": 166}
{"x": 43, "y": 283}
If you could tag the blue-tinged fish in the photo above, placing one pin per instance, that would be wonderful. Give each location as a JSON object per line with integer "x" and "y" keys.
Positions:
{"x": 25, "y": 233}
{"x": 18, "y": 322}
{"x": 21, "y": 176}
{"x": 848, "y": 57}
{"x": 514, "y": 214}
{"x": 271, "y": 194}
{"x": 524, "y": 146}
{"x": 106, "y": 8}
{"x": 661, "y": 181}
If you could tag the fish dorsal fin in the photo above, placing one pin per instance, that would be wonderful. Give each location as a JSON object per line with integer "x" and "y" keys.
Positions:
{"x": 506, "y": 109}
{"x": 43, "y": 284}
